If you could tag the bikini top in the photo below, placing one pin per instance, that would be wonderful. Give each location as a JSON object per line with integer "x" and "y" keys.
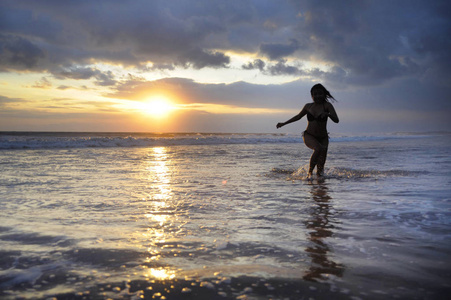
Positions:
{"x": 311, "y": 117}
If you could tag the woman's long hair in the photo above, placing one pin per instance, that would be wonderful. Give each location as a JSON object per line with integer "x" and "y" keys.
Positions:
{"x": 319, "y": 86}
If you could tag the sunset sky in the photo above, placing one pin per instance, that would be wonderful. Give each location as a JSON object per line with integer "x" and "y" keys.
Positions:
{"x": 223, "y": 66}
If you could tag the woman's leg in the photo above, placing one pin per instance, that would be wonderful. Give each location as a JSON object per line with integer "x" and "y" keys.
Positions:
{"x": 322, "y": 156}
{"x": 319, "y": 147}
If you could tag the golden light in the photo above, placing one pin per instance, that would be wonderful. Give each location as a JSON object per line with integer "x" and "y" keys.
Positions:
{"x": 158, "y": 106}
{"x": 161, "y": 273}
{"x": 159, "y": 174}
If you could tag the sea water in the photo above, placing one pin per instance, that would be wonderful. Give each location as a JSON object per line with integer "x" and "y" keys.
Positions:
{"x": 223, "y": 216}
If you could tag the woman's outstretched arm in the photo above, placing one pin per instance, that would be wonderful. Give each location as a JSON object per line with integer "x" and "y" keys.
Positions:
{"x": 295, "y": 118}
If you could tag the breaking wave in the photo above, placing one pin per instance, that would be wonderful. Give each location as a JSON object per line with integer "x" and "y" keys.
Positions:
{"x": 49, "y": 140}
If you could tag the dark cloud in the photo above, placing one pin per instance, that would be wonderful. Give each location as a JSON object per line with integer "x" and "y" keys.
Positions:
{"x": 77, "y": 73}
{"x": 17, "y": 53}
{"x": 256, "y": 64}
{"x": 370, "y": 42}
{"x": 199, "y": 59}
{"x": 23, "y": 22}
{"x": 101, "y": 78}
{"x": 278, "y": 51}
{"x": 281, "y": 68}
{"x": 105, "y": 78}
{"x": 127, "y": 32}
{"x": 275, "y": 69}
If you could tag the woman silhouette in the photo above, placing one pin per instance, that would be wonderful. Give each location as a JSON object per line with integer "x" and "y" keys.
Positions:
{"x": 316, "y": 136}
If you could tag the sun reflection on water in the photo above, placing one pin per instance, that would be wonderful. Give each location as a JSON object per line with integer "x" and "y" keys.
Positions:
{"x": 160, "y": 219}
{"x": 160, "y": 215}
{"x": 159, "y": 174}
{"x": 160, "y": 273}
{"x": 160, "y": 208}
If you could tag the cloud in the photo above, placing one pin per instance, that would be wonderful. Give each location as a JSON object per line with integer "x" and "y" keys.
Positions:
{"x": 17, "y": 53}
{"x": 43, "y": 83}
{"x": 128, "y": 32}
{"x": 239, "y": 94}
{"x": 371, "y": 42}
{"x": 6, "y": 100}
{"x": 83, "y": 73}
{"x": 275, "y": 69}
{"x": 199, "y": 59}
{"x": 278, "y": 51}
{"x": 256, "y": 64}
{"x": 281, "y": 68}
{"x": 364, "y": 38}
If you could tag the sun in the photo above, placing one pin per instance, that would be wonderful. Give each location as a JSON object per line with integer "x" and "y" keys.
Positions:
{"x": 157, "y": 107}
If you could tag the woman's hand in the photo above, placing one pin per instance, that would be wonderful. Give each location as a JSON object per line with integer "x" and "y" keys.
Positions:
{"x": 280, "y": 125}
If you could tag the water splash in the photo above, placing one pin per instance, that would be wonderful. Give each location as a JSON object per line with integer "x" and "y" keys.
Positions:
{"x": 348, "y": 173}
{"x": 343, "y": 173}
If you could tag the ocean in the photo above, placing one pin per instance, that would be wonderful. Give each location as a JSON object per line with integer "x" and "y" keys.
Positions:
{"x": 223, "y": 216}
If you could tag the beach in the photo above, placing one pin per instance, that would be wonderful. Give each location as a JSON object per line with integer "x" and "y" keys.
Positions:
{"x": 223, "y": 216}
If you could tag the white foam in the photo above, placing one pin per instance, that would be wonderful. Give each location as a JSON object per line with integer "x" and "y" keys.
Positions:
{"x": 103, "y": 140}
{"x": 14, "y": 277}
{"x": 221, "y": 245}
{"x": 347, "y": 173}
{"x": 207, "y": 285}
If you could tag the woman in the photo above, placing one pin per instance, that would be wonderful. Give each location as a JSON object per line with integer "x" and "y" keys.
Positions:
{"x": 315, "y": 136}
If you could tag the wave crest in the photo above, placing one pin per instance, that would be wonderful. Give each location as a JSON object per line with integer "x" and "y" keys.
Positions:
{"x": 58, "y": 140}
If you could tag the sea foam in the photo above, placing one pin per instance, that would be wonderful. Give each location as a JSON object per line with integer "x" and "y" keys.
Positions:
{"x": 47, "y": 140}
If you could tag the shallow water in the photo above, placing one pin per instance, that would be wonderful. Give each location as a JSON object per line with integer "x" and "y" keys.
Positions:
{"x": 213, "y": 220}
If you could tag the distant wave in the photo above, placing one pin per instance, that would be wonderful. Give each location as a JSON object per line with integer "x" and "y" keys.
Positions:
{"x": 375, "y": 138}
{"x": 57, "y": 140}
